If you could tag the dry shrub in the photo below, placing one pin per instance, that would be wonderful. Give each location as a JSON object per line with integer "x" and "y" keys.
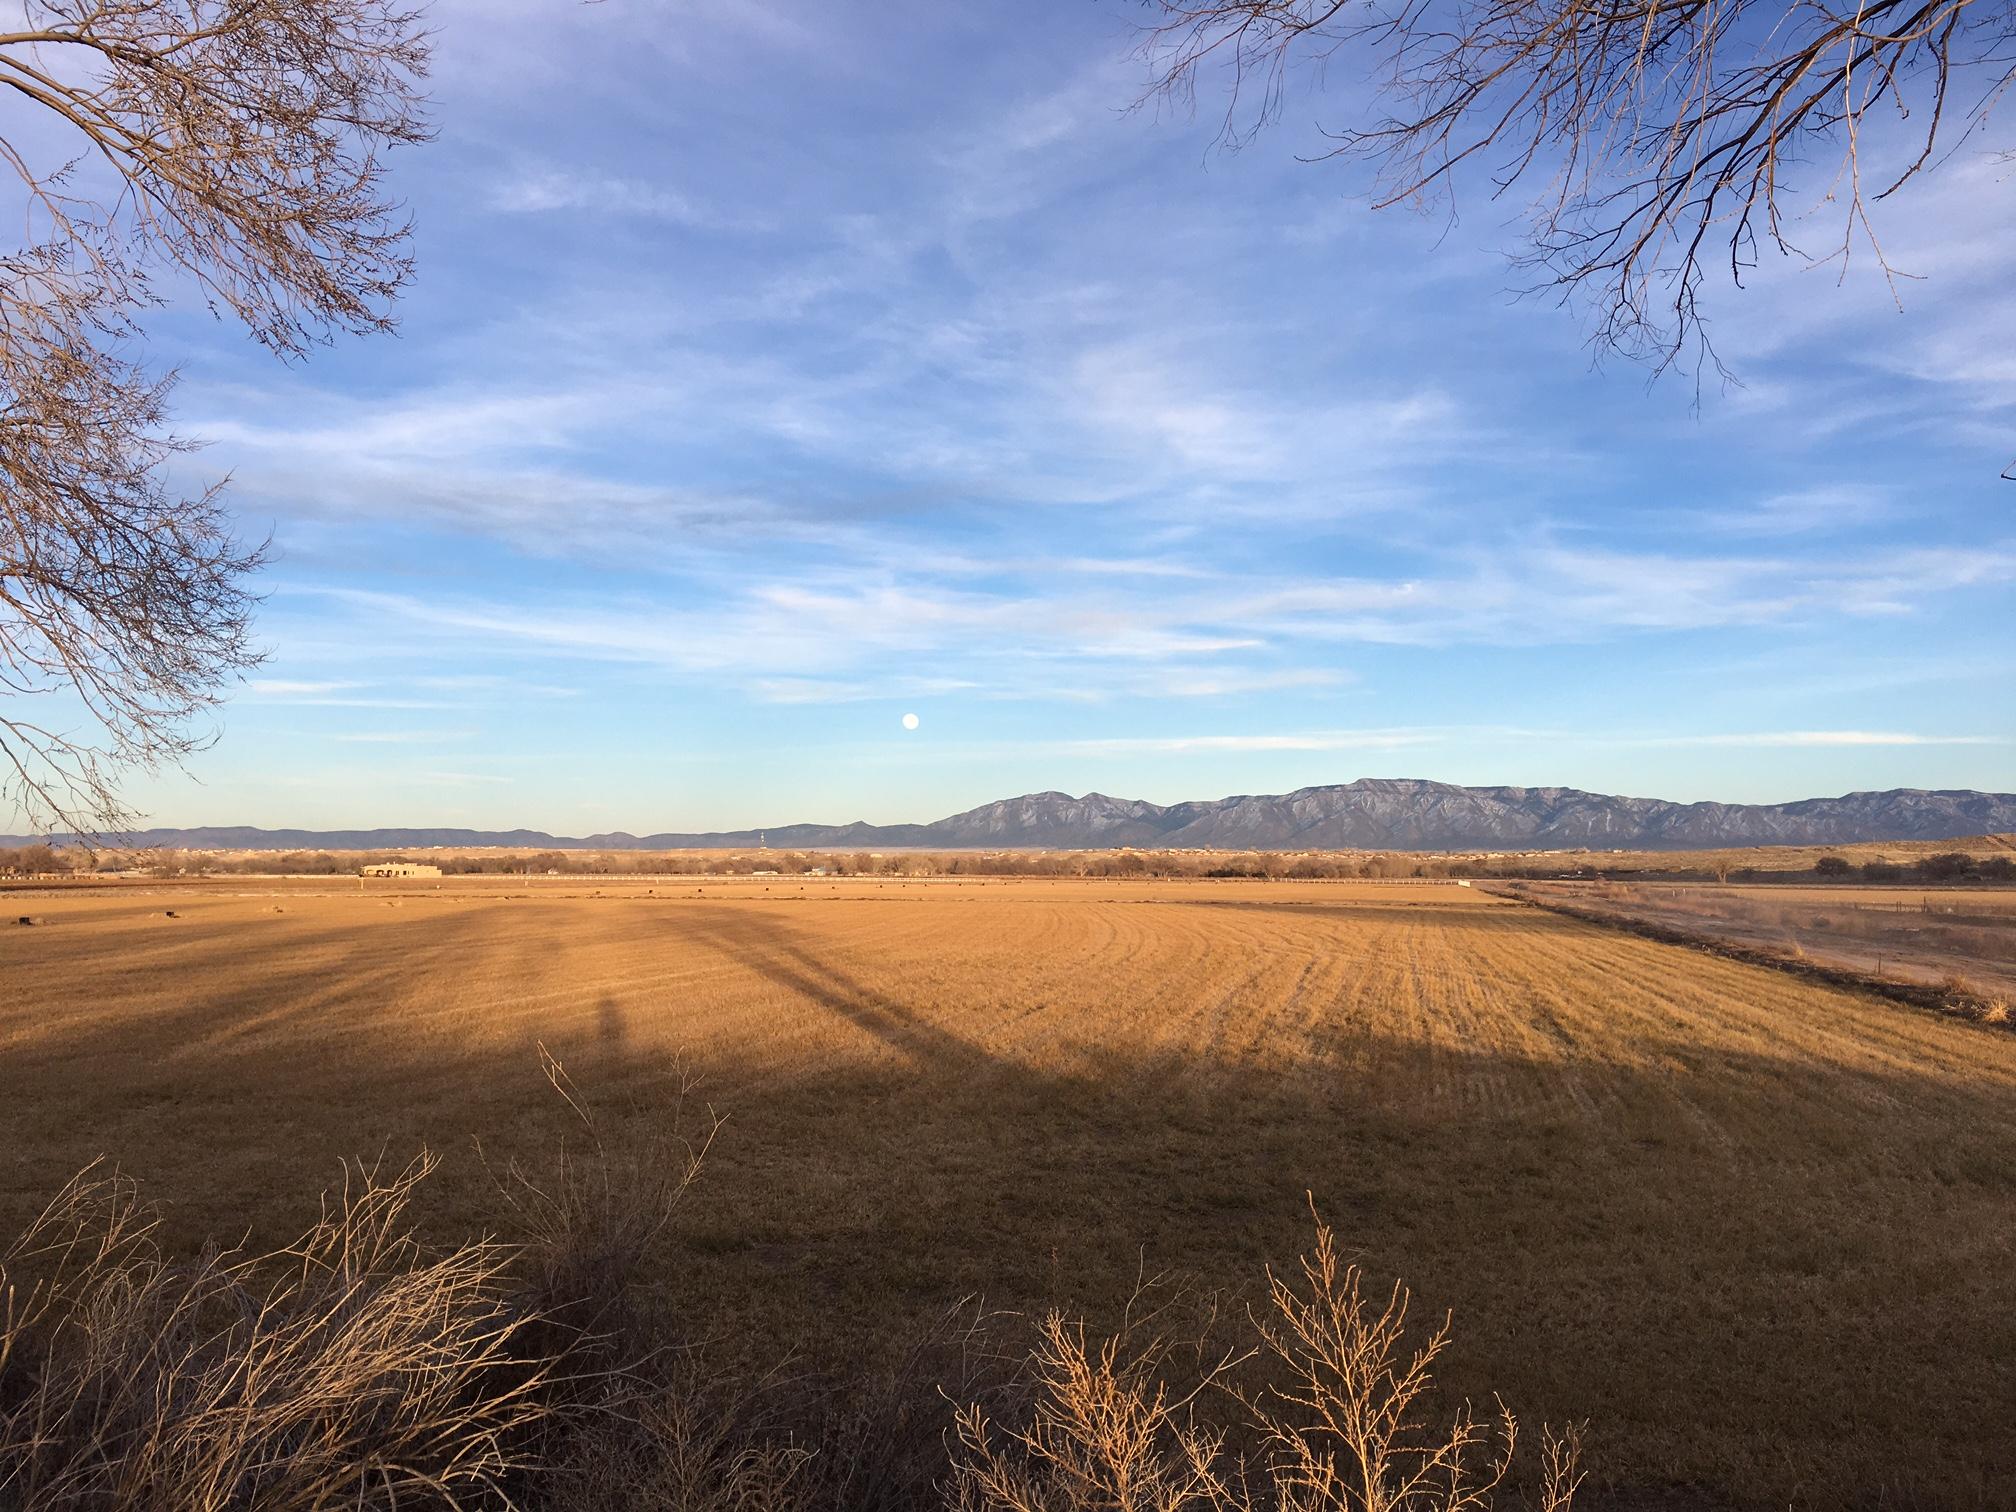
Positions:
{"x": 588, "y": 1225}
{"x": 881, "y": 1436}
{"x": 1955, "y": 985}
{"x": 674, "y": 1432}
{"x": 1974, "y": 1002}
{"x": 1339, "y": 1420}
{"x": 350, "y": 1367}
{"x": 698, "y": 1444}
{"x": 1104, "y": 1433}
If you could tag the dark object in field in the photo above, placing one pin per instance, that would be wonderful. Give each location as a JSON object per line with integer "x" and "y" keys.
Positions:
{"x": 31, "y": 919}
{"x": 171, "y": 913}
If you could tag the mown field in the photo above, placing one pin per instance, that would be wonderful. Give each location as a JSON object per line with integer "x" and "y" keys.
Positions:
{"x": 1758, "y": 1232}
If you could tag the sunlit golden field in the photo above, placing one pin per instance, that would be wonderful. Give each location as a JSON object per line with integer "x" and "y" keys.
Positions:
{"x": 1758, "y": 1232}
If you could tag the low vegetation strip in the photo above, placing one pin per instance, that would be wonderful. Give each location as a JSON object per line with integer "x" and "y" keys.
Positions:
{"x": 1940, "y": 987}
{"x": 1984, "y": 860}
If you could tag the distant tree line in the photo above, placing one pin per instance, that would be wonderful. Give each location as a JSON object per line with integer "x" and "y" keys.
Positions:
{"x": 32, "y": 860}
{"x": 1946, "y": 868}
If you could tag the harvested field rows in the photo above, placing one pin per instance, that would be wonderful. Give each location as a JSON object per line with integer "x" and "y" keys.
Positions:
{"x": 1757, "y": 1231}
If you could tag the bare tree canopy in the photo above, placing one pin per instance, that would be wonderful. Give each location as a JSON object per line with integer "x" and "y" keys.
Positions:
{"x": 232, "y": 146}
{"x": 1660, "y": 139}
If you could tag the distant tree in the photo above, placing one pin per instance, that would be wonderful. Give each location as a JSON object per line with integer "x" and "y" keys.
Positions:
{"x": 1660, "y": 139}
{"x": 1998, "y": 869}
{"x": 232, "y": 144}
{"x": 1882, "y": 871}
{"x": 33, "y": 859}
{"x": 1833, "y": 867}
{"x": 1946, "y": 866}
{"x": 170, "y": 863}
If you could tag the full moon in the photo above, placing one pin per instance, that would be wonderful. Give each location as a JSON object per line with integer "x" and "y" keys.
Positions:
{"x": 909, "y": 721}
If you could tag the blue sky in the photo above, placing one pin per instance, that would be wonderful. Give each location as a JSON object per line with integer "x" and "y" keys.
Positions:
{"x": 780, "y": 370}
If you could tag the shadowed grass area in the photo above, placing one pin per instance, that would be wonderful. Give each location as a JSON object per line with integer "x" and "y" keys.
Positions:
{"x": 357, "y": 1368}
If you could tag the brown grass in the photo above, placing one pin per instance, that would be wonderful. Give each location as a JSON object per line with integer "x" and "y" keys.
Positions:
{"x": 1714, "y": 1210}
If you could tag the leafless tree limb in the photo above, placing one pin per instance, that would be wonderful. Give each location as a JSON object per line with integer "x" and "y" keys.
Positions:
{"x": 238, "y": 145}
{"x": 1663, "y": 135}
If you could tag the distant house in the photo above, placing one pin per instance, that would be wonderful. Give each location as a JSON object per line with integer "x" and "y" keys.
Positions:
{"x": 399, "y": 869}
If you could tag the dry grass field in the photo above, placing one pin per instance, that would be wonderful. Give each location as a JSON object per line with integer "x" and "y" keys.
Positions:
{"x": 1758, "y": 1232}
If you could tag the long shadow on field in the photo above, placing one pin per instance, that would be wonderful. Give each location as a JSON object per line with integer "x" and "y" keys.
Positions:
{"x": 1785, "y": 1280}
{"x": 782, "y": 954}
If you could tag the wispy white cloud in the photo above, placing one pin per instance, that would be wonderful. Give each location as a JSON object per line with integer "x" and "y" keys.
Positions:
{"x": 547, "y": 190}
{"x": 1321, "y": 740}
{"x": 359, "y": 703}
{"x": 1553, "y": 595}
{"x": 1162, "y": 404}
{"x": 1833, "y": 509}
{"x": 818, "y": 636}
{"x": 814, "y": 690}
{"x": 1410, "y": 738}
{"x": 287, "y": 687}
{"x": 493, "y": 682}
{"x": 402, "y": 737}
{"x": 1826, "y": 738}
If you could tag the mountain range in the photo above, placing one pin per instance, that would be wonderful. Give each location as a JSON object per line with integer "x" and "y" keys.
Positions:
{"x": 1369, "y": 814}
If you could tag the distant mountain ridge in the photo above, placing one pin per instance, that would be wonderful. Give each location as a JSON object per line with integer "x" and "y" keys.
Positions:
{"x": 1370, "y": 814}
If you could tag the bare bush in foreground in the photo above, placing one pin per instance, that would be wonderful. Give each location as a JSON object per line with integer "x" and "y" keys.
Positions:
{"x": 695, "y": 1445}
{"x": 351, "y": 1367}
{"x": 588, "y": 1223}
{"x": 1339, "y": 1422}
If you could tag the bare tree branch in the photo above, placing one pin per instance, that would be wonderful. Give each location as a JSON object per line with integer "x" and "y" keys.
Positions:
{"x": 239, "y": 144}
{"x": 1662, "y": 135}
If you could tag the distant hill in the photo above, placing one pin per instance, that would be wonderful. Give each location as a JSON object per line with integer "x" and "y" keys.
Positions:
{"x": 1370, "y": 814}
